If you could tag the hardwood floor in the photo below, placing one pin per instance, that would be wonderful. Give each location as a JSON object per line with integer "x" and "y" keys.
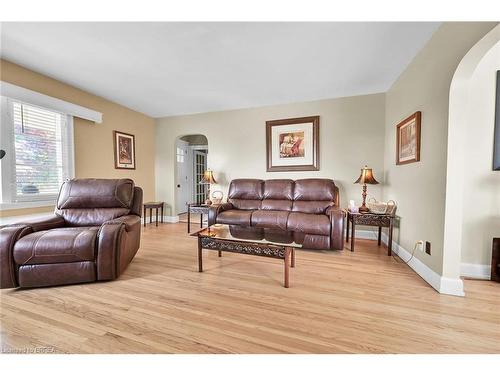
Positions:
{"x": 339, "y": 302}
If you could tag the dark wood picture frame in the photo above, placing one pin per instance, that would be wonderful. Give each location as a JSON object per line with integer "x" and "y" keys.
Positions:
{"x": 119, "y": 165}
{"x": 315, "y": 144}
{"x": 417, "y": 116}
{"x": 496, "y": 137}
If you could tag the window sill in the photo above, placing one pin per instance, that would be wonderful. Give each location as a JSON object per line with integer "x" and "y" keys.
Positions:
{"x": 21, "y": 205}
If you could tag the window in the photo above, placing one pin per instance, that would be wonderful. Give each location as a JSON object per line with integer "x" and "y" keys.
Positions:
{"x": 39, "y": 152}
{"x": 180, "y": 155}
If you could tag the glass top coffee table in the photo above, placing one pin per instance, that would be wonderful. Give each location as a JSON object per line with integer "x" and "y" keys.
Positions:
{"x": 265, "y": 242}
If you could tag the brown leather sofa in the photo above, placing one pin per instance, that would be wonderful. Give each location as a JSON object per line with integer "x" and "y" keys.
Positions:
{"x": 93, "y": 235}
{"x": 308, "y": 207}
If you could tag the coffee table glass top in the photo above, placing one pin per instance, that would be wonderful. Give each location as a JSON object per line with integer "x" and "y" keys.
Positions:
{"x": 251, "y": 234}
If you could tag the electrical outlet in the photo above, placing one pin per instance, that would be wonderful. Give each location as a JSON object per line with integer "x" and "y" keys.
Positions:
{"x": 420, "y": 245}
{"x": 428, "y": 247}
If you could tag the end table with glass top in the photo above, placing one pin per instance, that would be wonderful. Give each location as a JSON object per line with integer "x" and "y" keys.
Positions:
{"x": 370, "y": 219}
{"x": 197, "y": 208}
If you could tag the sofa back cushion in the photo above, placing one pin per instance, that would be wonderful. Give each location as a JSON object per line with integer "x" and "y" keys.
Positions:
{"x": 91, "y": 201}
{"x": 246, "y": 193}
{"x": 313, "y": 195}
{"x": 278, "y": 195}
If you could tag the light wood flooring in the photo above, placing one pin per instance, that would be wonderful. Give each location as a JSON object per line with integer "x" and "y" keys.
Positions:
{"x": 339, "y": 302}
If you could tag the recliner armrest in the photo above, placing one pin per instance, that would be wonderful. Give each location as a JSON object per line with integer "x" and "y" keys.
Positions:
{"x": 8, "y": 236}
{"x": 128, "y": 220}
{"x": 46, "y": 223}
{"x": 115, "y": 237}
{"x": 336, "y": 215}
{"x": 216, "y": 209}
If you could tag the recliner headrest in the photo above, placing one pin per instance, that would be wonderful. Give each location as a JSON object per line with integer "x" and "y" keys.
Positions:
{"x": 96, "y": 193}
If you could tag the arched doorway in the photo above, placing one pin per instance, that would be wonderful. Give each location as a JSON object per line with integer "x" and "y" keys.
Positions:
{"x": 459, "y": 123}
{"x": 191, "y": 159}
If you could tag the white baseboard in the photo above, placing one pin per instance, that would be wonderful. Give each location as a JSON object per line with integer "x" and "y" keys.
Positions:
{"x": 171, "y": 219}
{"x": 166, "y": 219}
{"x": 476, "y": 271}
{"x": 443, "y": 285}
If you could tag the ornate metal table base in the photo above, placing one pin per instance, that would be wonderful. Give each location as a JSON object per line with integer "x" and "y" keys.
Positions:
{"x": 380, "y": 221}
{"x": 266, "y": 250}
{"x": 194, "y": 208}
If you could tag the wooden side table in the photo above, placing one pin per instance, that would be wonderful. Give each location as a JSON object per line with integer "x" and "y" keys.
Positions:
{"x": 153, "y": 205}
{"x": 197, "y": 208}
{"x": 380, "y": 221}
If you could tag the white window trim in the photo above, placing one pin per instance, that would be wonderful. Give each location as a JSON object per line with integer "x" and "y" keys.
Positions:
{"x": 35, "y": 98}
{"x": 6, "y": 135}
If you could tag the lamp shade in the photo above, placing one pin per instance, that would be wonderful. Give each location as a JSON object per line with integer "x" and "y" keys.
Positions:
{"x": 366, "y": 177}
{"x": 208, "y": 177}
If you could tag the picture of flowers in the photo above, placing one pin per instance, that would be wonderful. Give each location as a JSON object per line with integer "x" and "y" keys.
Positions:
{"x": 291, "y": 145}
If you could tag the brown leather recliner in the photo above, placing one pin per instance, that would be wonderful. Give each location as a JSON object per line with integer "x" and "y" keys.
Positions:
{"x": 308, "y": 207}
{"x": 94, "y": 235}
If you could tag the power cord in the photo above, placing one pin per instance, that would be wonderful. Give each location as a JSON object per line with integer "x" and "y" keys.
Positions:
{"x": 412, "y": 253}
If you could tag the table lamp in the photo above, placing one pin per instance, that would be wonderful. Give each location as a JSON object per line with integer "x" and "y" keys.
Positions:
{"x": 366, "y": 177}
{"x": 208, "y": 178}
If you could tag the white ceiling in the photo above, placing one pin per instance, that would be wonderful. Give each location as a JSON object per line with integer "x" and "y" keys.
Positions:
{"x": 165, "y": 69}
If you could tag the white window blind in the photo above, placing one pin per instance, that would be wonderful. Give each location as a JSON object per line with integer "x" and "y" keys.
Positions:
{"x": 39, "y": 154}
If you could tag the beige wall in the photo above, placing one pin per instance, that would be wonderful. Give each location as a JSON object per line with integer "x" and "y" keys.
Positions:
{"x": 481, "y": 199}
{"x": 351, "y": 135}
{"x": 419, "y": 188}
{"x": 94, "y": 142}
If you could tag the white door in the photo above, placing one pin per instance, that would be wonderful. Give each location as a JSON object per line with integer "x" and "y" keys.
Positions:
{"x": 199, "y": 168}
{"x": 183, "y": 183}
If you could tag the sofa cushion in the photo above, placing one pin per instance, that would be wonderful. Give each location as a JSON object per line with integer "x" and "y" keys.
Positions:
{"x": 235, "y": 217}
{"x": 61, "y": 245}
{"x": 309, "y": 223}
{"x": 245, "y": 188}
{"x": 311, "y": 207}
{"x": 270, "y": 219}
{"x": 246, "y": 204}
{"x": 278, "y": 189}
{"x": 314, "y": 189}
{"x": 246, "y": 193}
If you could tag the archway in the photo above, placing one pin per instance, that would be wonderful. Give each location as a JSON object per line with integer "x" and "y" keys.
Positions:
{"x": 190, "y": 162}
{"x": 458, "y": 125}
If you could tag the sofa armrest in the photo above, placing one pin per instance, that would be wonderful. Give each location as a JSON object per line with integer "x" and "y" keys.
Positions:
{"x": 117, "y": 242}
{"x": 337, "y": 227}
{"x": 45, "y": 223}
{"x": 8, "y": 236}
{"x": 130, "y": 221}
{"x": 216, "y": 209}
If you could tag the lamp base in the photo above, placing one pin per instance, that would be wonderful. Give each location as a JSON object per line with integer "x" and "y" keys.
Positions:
{"x": 364, "y": 209}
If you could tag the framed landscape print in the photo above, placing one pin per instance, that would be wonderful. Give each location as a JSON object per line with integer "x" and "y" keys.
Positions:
{"x": 408, "y": 139}
{"x": 496, "y": 139}
{"x": 124, "y": 150}
{"x": 293, "y": 144}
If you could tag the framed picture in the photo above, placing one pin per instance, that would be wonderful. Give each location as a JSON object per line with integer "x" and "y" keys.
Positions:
{"x": 496, "y": 139}
{"x": 124, "y": 150}
{"x": 408, "y": 139}
{"x": 293, "y": 144}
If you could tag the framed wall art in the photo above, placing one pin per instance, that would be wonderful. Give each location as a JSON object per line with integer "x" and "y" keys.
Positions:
{"x": 408, "y": 139}
{"x": 496, "y": 139}
{"x": 293, "y": 144}
{"x": 124, "y": 150}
